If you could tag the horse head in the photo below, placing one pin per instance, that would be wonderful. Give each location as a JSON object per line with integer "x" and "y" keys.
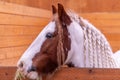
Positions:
{"x": 67, "y": 39}
{"x": 52, "y": 46}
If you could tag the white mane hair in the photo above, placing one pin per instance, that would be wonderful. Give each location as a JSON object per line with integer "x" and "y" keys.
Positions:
{"x": 97, "y": 50}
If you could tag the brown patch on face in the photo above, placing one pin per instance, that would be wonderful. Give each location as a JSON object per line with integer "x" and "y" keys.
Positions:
{"x": 46, "y": 60}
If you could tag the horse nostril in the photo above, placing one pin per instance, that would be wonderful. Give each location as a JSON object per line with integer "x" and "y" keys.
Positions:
{"x": 32, "y": 69}
{"x": 21, "y": 65}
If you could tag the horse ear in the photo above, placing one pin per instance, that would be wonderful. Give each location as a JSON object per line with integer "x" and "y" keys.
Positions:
{"x": 54, "y": 10}
{"x": 63, "y": 16}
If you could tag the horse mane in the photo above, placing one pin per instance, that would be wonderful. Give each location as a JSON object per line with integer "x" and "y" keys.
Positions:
{"x": 99, "y": 49}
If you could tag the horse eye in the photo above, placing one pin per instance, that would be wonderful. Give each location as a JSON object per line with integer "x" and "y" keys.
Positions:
{"x": 49, "y": 35}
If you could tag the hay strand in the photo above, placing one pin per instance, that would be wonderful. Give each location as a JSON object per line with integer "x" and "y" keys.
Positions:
{"x": 19, "y": 75}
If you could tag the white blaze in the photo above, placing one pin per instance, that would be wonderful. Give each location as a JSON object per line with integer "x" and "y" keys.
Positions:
{"x": 75, "y": 55}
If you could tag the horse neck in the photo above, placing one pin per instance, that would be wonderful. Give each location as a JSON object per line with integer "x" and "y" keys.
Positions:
{"x": 97, "y": 50}
{"x": 88, "y": 47}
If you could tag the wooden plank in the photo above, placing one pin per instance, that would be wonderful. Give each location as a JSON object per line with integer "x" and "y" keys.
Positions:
{"x": 13, "y": 30}
{"x": 115, "y": 48}
{"x": 93, "y": 5}
{"x": 9, "y": 61}
{"x": 87, "y": 74}
{"x": 112, "y": 36}
{"x": 9, "y": 19}
{"x": 104, "y": 22}
{"x": 109, "y": 29}
{"x": 7, "y": 73}
{"x": 79, "y": 6}
{"x": 23, "y": 10}
{"x": 114, "y": 43}
{"x": 103, "y": 19}
{"x": 103, "y": 15}
{"x": 11, "y": 41}
{"x": 12, "y": 52}
{"x": 70, "y": 74}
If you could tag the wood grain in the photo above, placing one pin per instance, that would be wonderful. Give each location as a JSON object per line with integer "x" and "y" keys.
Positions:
{"x": 9, "y": 61}
{"x": 13, "y": 30}
{"x": 78, "y": 5}
{"x": 87, "y": 74}
{"x": 23, "y": 10}
{"x": 70, "y": 74}
{"x": 12, "y": 52}
{"x": 10, "y": 19}
{"x": 19, "y": 26}
{"x": 12, "y": 41}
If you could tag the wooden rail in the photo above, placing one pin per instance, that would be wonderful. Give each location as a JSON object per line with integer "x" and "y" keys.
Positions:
{"x": 79, "y": 6}
{"x": 8, "y": 73}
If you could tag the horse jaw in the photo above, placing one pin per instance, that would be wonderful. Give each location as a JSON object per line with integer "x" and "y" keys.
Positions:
{"x": 75, "y": 55}
{"x": 33, "y": 49}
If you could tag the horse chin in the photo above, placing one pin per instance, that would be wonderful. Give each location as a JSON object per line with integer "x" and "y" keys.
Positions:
{"x": 32, "y": 75}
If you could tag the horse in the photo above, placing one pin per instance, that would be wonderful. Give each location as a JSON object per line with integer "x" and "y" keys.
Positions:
{"x": 67, "y": 40}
